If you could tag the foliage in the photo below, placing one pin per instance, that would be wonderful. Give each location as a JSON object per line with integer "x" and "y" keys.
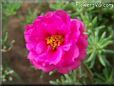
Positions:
{"x": 81, "y": 76}
{"x": 10, "y": 9}
{"x": 68, "y": 79}
{"x": 6, "y": 45}
{"x": 106, "y": 76}
{"x": 6, "y": 74}
{"x": 31, "y": 16}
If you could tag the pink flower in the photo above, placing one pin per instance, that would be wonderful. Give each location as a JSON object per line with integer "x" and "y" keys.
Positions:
{"x": 56, "y": 42}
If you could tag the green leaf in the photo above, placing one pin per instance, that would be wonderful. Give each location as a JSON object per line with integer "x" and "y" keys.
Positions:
{"x": 101, "y": 59}
{"x": 92, "y": 63}
{"x": 94, "y": 20}
{"x": 102, "y": 36}
{"x": 105, "y": 40}
{"x": 96, "y": 36}
{"x": 91, "y": 57}
{"x": 5, "y": 38}
{"x": 50, "y": 73}
{"x": 10, "y": 8}
{"x": 108, "y": 51}
{"x": 52, "y": 82}
{"x": 100, "y": 27}
{"x": 107, "y": 43}
{"x": 101, "y": 78}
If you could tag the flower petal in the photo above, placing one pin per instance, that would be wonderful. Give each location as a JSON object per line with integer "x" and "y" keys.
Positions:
{"x": 40, "y": 47}
{"x": 30, "y": 46}
{"x": 66, "y": 47}
{"x": 63, "y": 15}
{"x": 50, "y": 56}
{"x": 69, "y": 58}
{"x": 46, "y": 67}
{"x": 65, "y": 70}
{"x": 75, "y": 29}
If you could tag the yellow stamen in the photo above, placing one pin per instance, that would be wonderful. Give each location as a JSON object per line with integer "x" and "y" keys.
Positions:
{"x": 54, "y": 41}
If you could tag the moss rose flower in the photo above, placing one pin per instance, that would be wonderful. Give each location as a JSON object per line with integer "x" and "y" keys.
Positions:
{"x": 56, "y": 42}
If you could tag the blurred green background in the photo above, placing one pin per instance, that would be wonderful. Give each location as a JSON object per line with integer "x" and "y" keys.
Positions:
{"x": 98, "y": 67}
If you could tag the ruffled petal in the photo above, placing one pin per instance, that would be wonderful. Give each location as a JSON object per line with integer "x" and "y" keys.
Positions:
{"x": 53, "y": 24}
{"x": 40, "y": 47}
{"x": 51, "y": 57}
{"x": 63, "y": 15}
{"x": 28, "y": 29}
{"x": 66, "y": 46}
{"x": 30, "y": 46}
{"x": 65, "y": 70}
{"x": 75, "y": 30}
{"x": 82, "y": 44}
{"x": 69, "y": 58}
{"x": 40, "y": 65}
{"x": 32, "y": 55}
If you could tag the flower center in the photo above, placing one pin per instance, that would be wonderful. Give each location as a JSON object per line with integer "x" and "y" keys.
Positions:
{"x": 54, "y": 41}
